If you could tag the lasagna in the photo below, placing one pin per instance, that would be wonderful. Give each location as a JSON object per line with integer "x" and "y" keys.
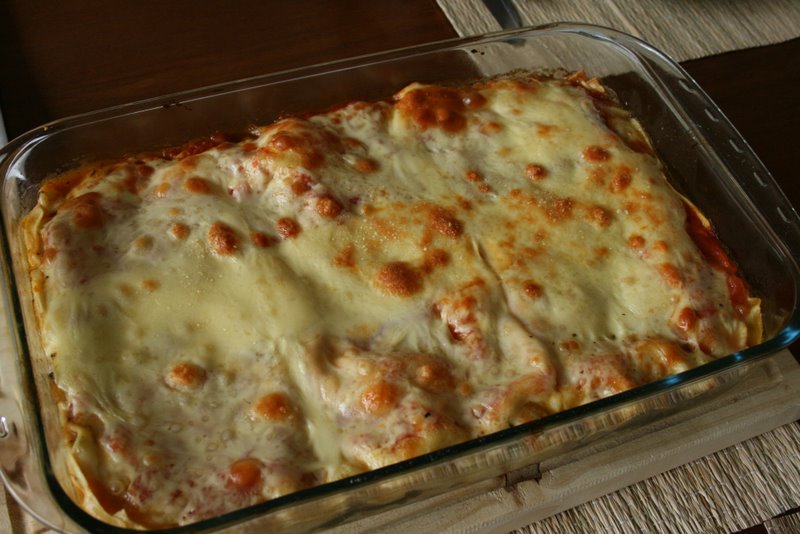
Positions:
{"x": 237, "y": 319}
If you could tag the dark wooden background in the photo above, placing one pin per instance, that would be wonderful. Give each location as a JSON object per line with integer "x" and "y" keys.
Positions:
{"x": 63, "y": 58}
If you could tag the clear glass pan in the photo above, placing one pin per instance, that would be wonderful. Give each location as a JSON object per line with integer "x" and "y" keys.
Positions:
{"x": 706, "y": 160}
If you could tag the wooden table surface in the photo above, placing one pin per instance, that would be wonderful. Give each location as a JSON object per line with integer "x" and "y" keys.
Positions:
{"x": 63, "y": 58}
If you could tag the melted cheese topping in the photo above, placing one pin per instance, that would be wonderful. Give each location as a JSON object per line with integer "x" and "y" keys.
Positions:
{"x": 339, "y": 292}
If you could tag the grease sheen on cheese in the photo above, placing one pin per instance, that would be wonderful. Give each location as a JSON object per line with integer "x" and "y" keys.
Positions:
{"x": 343, "y": 291}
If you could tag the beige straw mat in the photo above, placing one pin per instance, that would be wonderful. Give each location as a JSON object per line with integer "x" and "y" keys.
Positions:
{"x": 684, "y": 29}
{"x": 743, "y": 484}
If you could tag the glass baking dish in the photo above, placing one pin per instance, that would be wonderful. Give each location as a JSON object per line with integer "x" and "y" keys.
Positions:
{"x": 705, "y": 158}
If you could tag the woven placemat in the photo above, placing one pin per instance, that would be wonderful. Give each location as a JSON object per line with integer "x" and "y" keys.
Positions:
{"x": 729, "y": 490}
{"x": 684, "y": 29}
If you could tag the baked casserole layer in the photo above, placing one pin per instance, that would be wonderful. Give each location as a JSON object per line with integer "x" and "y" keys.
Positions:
{"x": 234, "y": 320}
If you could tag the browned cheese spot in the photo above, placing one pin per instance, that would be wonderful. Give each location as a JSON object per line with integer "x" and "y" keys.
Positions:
{"x": 544, "y": 130}
{"x": 262, "y": 240}
{"x": 599, "y": 216}
{"x": 87, "y": 213}
{"x": 439, "y": 107}
{"x": 380, "y": 398}
{"x": 186, "y": 376}
{"x": 596, "y": 154}
{"x": 474, "y": 176}
{"x": 143, "y": 243}
{"x": 435, "y": 377}
{"x": 636, "y": 241}
{"x": 621, "y": 180}
{"x": 179, "y": 231}
{"x": 346, "y": 257}
{"x": 162, "y": 189}
{"x": 301, "y": 143}
{"x": 489, "y": 128}
{"x": 559, "y": 209}
{"x": 245, "y": 475}
{"x": 671, "y": 274}
{"x": 328, "y": 207}
{"x": 532, "y": 289}
{"x": 301, "y": 184}
{"x": 569, "y": 346}
{"x": 223, "y": 239}
{"x": 287, "y": 227}
{"x": 687, "y": 320}
{"x": 433, "y": 259}
{"x": 444, "y": 221}
{"x": 366, "y": 165}
{"x": 535, "y": 172}
{"x": 198, "y": 186}
{"x": 150, "y": 285}
{"x": 274, "y": 407}
{"x": 661, "y": 246}
{"x": 399, "y": 279}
